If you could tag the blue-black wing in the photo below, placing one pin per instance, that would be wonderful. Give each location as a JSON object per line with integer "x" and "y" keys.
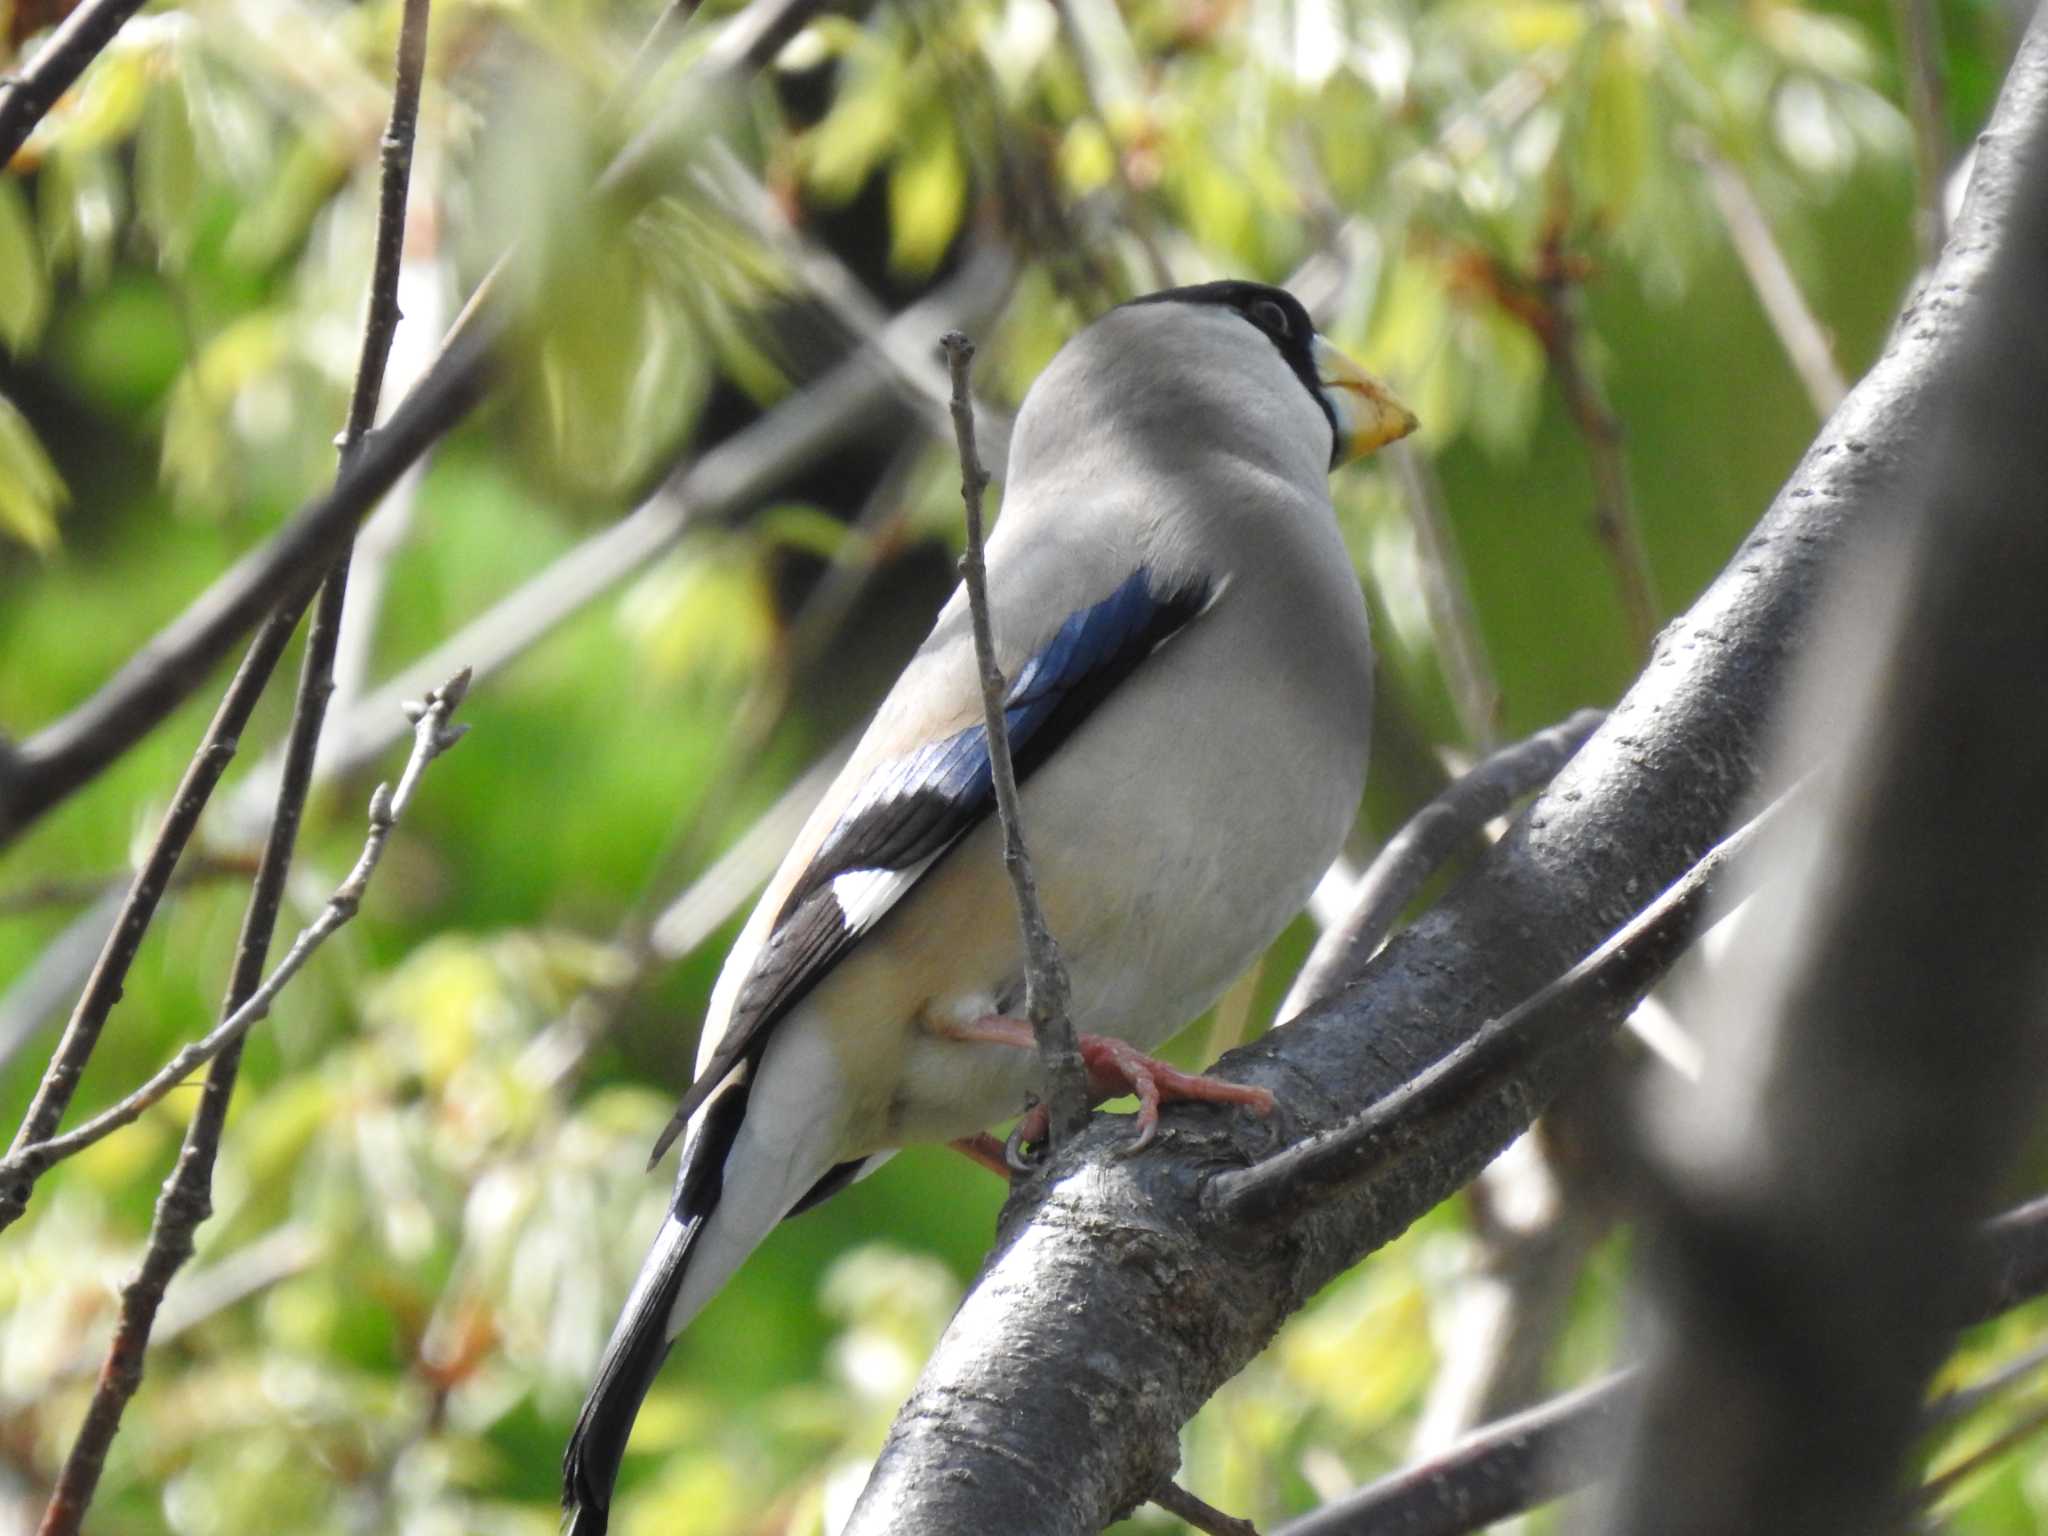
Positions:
{"x": 911, "y": 812}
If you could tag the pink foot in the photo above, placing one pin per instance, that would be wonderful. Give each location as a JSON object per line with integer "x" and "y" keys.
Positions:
{"x": 1116, "y": 1067}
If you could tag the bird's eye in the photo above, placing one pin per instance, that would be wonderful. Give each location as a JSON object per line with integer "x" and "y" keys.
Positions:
{"x": 1270, "y": 318}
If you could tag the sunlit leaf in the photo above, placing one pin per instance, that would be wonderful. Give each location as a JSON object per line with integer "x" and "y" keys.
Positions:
{"x": 24, "y": 282}
{"x": 108, "y": 102}
{"x": 1615, "y": 148}
{"x": 706, "y": 614}
{"x": 31, "y": 490}
{"x": 927, "y": 194}
{"x": 82, "y": 202}
{"x": 167, "y": 173}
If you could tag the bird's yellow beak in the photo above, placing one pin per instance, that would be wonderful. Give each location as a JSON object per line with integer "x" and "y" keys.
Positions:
{"x": 1368, "y": 415}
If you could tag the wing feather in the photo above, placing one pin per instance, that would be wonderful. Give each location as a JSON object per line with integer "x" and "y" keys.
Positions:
{"x": 911, "y": 811}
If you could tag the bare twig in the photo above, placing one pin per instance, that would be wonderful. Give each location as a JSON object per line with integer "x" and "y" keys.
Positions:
{"x": 1610, "y": 980}
{"x": 432, "y": 736}
{"x": 1805, "y": 343}
{"x": 2018, "y": 1433}
{"x": 27, "y": 96}
{"x": 1468, "y": 669}
{"x": 1431, "y": 836}
{"x": 187, "y": 1198}
{"x": 1562, "y": 333}
{"x": 1495, "y": 1472}
{"x": 76, "y": 891}
{"x": 1927, "y": 109}
{"x": 1045, "y": 975}
{"x": 393, "y": 188}
{"x": 110, "y": 971}
{"x": 1199, "y": 1513}
{"x": 1137, "y": 212}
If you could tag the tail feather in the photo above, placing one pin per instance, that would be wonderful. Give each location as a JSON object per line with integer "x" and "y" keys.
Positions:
{"x": 640, "y": 1340}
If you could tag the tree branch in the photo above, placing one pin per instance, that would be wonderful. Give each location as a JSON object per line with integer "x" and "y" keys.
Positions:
{"x": 110, "y": 971}
{"x": 186, "y": 1201}
{"x": 1601, "y": 989}
{"x": 1431, "y": 838}
{"x": 1806, "y": 1265}
{"x": 1562, "y": 333}
{"x": 187, "y": 1198}
{"x": 1770, "y": 278}
{"x": 1114, "y": 1305}
{"x": 27, "y": 1164}
{"x": 27, "y": 96}
{"x": 1045, "y": 974}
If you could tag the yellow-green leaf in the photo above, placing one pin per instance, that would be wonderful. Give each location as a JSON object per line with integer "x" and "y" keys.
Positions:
{"x": 24, "y": 281}
{"x": 31, "y": 490}
{"x": 167, "y": 173}
{"x": 927, "y": 192}
{"x": 1615, "y": 152}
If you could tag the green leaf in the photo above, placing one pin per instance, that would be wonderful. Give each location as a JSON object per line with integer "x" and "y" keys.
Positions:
{"x": 82, "y": 204}
{"x": 927, "y": 193}
{"x": 24, "y": 281}
{"x": 31, "y": 490}
{"x": 1615, "y": 151}
{"x": 167, "y": 173}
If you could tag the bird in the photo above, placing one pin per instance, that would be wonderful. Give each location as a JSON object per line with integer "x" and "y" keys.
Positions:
{"x": 1188, "y": 706}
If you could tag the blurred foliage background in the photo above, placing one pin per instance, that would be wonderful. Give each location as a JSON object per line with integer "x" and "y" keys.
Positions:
{"x": 1550, "y": 224}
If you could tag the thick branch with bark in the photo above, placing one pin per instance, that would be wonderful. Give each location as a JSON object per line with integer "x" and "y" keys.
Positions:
{"x": 1115, "y": 1304}
{"x": 1880, "y": 1023}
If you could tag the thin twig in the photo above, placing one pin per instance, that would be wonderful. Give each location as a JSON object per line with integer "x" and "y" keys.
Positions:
{"x": 76, "y": 891}
{"x": 2025, "y": 1428}
{"x": 1045, "y": 976}
{"x": 1610, "y": 980}
{"x": 1927, "y": 109}
{"x": 1137, "y": 212}
{"x": 27, "y": 96}
{"x": 1805, "y": 343}
{"x": 1500, "y": 1470}
{"x": 432, "y": 736}
{"x": 110, "y": 971}
{"x": 187, "y": 1198}
{"x": 1431, "y": 837}
{"x": 1199, "y": 1513}
{"x": 1447, "y": 593}
{"x": 1614, "y": 511}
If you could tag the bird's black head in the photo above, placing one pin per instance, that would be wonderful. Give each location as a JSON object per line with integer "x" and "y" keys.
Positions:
{"x": 1275, "y": 313}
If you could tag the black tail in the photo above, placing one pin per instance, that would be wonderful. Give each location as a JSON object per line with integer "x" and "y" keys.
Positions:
{"x": 641, "y": 1338}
